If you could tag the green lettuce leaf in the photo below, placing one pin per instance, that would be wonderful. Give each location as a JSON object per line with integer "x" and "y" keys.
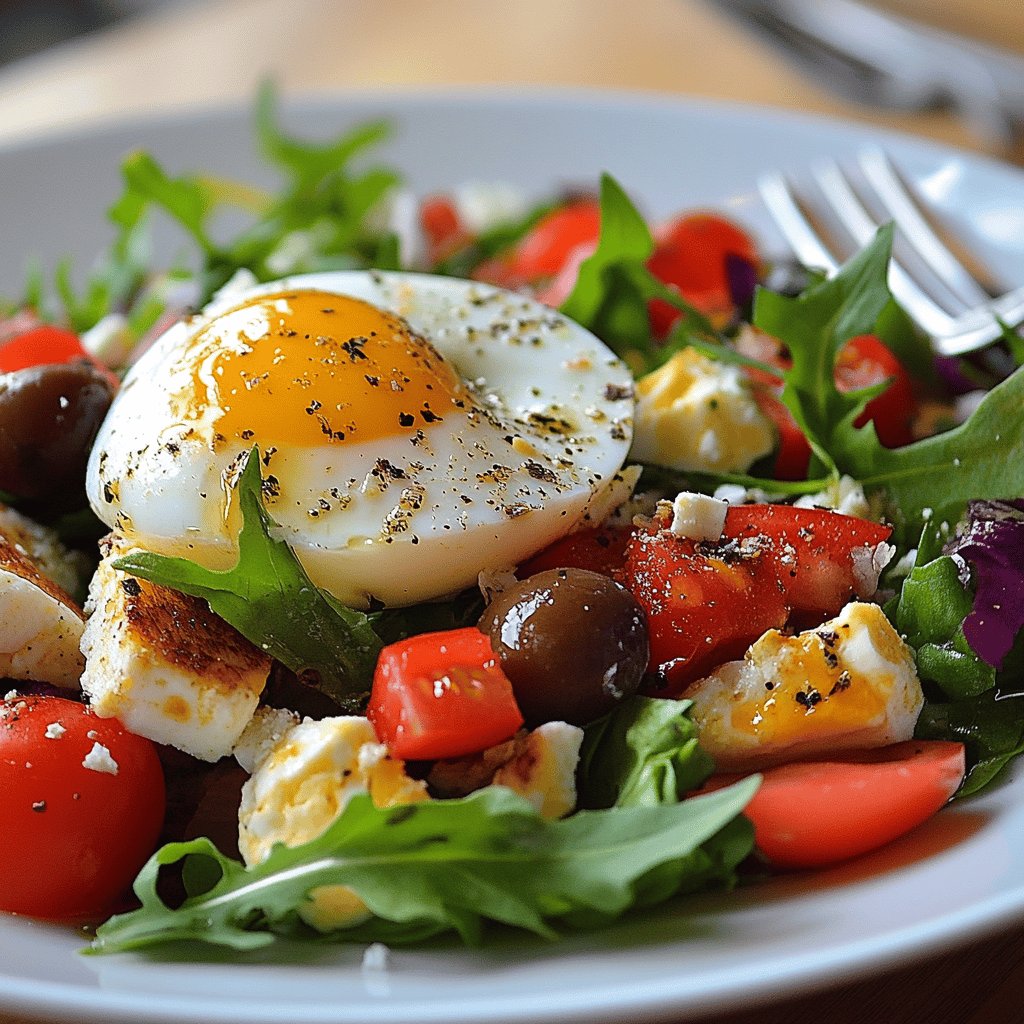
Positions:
{"x": 438, "y": 866}
{"x": 270, "y": 600}
{"x": 930, "y": 614}
{"x": 989, "y": 724}
{"x": 644, "y": 753}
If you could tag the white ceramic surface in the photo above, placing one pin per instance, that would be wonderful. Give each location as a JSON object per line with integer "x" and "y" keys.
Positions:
{"x": 956, "y": 878}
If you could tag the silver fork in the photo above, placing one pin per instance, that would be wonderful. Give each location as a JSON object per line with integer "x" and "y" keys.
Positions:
{"x": 935, "y": 288}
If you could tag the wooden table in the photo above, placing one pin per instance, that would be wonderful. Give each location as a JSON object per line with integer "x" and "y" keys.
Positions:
{"x": 201, "y": 53}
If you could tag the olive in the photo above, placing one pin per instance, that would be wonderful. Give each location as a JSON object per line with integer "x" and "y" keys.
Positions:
{"x": 572, "y": 642}
{"x": 49, "y": 416}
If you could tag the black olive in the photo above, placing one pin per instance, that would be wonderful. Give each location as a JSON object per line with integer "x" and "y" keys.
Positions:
{"x": 572, "y": 642}
{"x": 49, "y": 416}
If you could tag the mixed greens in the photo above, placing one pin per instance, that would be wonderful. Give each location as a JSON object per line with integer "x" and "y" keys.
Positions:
{"x": 954, "y": 500}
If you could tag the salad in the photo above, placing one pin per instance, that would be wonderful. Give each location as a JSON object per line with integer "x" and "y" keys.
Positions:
{"x": 571, "y": 563}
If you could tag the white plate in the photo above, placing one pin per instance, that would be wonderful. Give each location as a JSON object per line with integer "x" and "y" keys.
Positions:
{"x": 956, "y": 878}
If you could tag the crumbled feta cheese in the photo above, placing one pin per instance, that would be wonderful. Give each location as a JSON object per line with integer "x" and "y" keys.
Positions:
{"x": 845, "y": 495}
{"x": 11, "y": 695}
{"x": 484, "y": 205}
{"x": 99, "y": 760}
{"x": 54, "y": 731}
{"x": 698, "y": 517}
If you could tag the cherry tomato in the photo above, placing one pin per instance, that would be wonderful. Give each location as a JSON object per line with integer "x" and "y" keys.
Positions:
{"x": 39, "y": 346}
{"x": 442, "y": 227}
{"x": 811, "y": 814}
{"x": 440, "y": 695}
{"x": 702, "y": 608}
{"x": 691, "y": 255}
{"x": 82, "y": 805}
{"x": 813, "y": 551}
{"x": 547, "y": 247}
{"x": 864, "y": 361}
{"x": 602, "y": 550}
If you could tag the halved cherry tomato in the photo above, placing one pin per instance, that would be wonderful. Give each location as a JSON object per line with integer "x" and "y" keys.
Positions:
{"x": 74, "y": 836}
{"x": 813, "y": 551}
{"x": 702, "y": 608}
{"x": 441, "y": 695}
{"x": 602, "y": 550}
{"x": 692, "y": 255}
{"x": 776, "y": 565}
{"x": 442, "y": 227}
{"x": 808, "y": 815}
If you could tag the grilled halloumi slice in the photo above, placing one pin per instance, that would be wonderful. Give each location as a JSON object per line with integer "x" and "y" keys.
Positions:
{"x": 849, "y": 684}
{"x": 165, "y": 665}
{"x": 40, "y": 624}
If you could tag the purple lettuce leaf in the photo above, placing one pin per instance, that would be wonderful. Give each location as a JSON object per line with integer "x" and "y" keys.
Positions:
{"x": 989, "y": 548}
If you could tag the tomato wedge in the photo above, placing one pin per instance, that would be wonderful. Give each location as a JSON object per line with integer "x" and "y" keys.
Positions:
{"x": 819, "y": 554}
{"x": 808, "y": 815}
{"x": 441, "y": 695}
{"x": 702, "y": 608}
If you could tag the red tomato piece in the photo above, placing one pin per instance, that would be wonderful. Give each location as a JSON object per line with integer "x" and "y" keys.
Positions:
{"x": 548, "y": 246}
{"x": 602, "y": 550}
{"x": 808, "y": 815}
{"x": 442, "y": 227}
{"x": 74, "y": 837}
{"x": 702, "y": 609}
{"x": 793, "y": 453}
{"x": 813, "y": 550}
{"x": 867, "y": 360}
{"x": 39, "y": 346}
{"x": 440, "y": 695}
{"x": 691, "y": 255}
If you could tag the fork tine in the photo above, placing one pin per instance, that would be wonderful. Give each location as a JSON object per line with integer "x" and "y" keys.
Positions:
{"x": 846, "y": 205}
{"x": 972, "y": 328}
{"x": 897, "y": 199}
{"x": 781, "y": 202}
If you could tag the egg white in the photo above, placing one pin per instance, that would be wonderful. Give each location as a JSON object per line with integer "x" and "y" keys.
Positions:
{"x": 388, "y": 520}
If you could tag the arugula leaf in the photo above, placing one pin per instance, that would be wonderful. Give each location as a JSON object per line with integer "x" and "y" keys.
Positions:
{"x": 644, "y": 753}
{"x": 979, "y": 459}
{"x": 814, "y": 325}
{"x": 436, "y": 866}
{"x": 270, "y": 600}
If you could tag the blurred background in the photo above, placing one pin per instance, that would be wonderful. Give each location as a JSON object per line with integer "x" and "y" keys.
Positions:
{"x": 950, "y": 71}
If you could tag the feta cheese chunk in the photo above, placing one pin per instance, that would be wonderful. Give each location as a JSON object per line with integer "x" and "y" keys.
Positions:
{"x": 694, "y": 413}
{"x": 165, "y": 665}
{"x": 851, "y": 683}
{"x": 698, "y": 517}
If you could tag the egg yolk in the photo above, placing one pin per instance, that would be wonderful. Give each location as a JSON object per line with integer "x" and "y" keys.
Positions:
{"x": 311, "y": 368}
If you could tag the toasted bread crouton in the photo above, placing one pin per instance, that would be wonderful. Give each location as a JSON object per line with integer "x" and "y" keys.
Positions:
{"x": 40, "y": 625}
{"x": 165, "y": 665}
